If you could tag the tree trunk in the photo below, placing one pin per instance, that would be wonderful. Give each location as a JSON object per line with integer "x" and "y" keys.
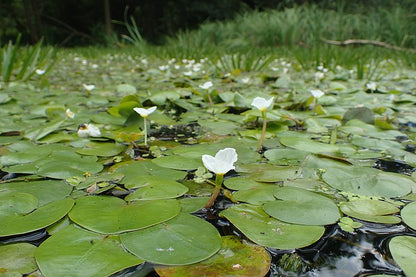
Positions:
{"x": 107, "y": 17}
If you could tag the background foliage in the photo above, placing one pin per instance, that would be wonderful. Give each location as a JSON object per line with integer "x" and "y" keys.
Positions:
{"x": 86, "y": 22}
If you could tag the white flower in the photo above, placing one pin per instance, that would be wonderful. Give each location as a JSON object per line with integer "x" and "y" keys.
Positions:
{"x": 261, "y": 103}
{"x": 187, "y": 73}
{"x": 319, "y": 76}
{"x": 89, "y": 87}
{"x": 371, "y": 86}
{"x": 163, "y": 67}
{"x": 317, "y": 93}
{"x": 206, "y": 85}
{"x": 40, "y": 71}
{"x": 69, "y": 113}
{"x": 222, "y": 162}
{"x": 88, "y": 130}
{"x": 145, "y": 112}
{"x": 245, "y": 80}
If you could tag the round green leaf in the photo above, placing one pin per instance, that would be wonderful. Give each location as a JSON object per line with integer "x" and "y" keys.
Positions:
{"x": 308, "y": 145}
{"x": 299, "y": 206}
{"x": 45, "y": 191}
{"x": 178, "y": 162}
{"x": 77, "y": 252}
{"x": 65, "y": 164}
{"x": 285, "y": 156}
{"x": 192, "y": 204}
{"x": 185, "y": 239}
{"x": 14, "y": 222}
{"x": 235, "y": 258}
{"x": 135, "y": 171}
{"x": 158, "y": 188}
{"x": 250, "y": 191}
{"x": 267, "y": 231}
{"x": 17, "y": 203}
{"x": 101, "y": 149}
{"x": 371, "y": 210}
{"x": 256, "y": 196}
{"x": 18, "y": 257}
{"x": 408, "y": 214}
{"x": 403, "y": 250}
{"x": 111, "y": 215}
{"x": 275, "y": 173}
{"x": 368, "y": 181}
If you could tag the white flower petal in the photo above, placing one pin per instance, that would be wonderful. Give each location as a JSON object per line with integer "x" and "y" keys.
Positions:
{"x": 206, "y": 85}
{"x": 222, "y": 162}
{"x": 145, "y": 112}
{"x": 261, "y": 103}
{"x": 317, "y": 93}
{"x": 89, "y": 87}
{"x": 228, "y": 155}
{"x": 88, "y": 130}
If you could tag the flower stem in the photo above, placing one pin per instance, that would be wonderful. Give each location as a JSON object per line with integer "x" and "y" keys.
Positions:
{"x": 145, "y": 131}
{"x": 263, "y": 131}
{"x": 210, "y": 99}
{"x": 218, "y": 182}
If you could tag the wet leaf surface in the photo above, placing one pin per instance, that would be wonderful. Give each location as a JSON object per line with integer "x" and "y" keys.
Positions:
{"x": 185, "y": 239}
{"x": 79, "y": 252}
{"x": 235, "y": 258}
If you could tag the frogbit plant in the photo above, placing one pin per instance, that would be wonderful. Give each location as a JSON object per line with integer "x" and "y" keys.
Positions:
{"x": 220, "y": 164}
{"x": 316, "y": 93}
{"x": 206, "y": 86}
{"x": 262, "y": 104}
{"x": 88, "y": 130}
{"x": 145, "y": 113}
{"x": 88, "y": 88}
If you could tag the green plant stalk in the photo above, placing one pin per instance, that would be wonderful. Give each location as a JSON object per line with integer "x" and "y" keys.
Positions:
{"x": 145, "y": 131}
{"x": 218, "y": 182}
{"x": 263, "y": 131}
{"x": 209, "y": 98}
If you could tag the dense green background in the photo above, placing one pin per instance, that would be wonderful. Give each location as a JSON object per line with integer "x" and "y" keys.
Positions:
{"x": 83, "y": 22}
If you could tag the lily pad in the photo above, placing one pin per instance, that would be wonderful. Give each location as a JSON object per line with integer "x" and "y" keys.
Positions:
{"x": 368, "y": 181}
{"x": 371, "y": 210}
{"x": 17, "y": 220}
{"x": 17, "y": 258}
{"x": 284, "y": 156}
{"x": 299, "y": 206}
{"x": 185, "y": 239}
{"x": 308, "y": 145}
{"x": 250, "y": 191}
{"x": 158, "y": 188}
{"x": 192, "y": 204}
{"x": 45, "y": 191}
{"x": 74, "y": 251}
{"x": 110, "y": 215}
{"x": 264, "y": 230}
{"x": 235, "y": 258}
{"x": 403, "y": 250}
{"x": 102, "y": 149}
{"x": 408, "y": 214}
{"x": 135, "y": 171}
{"x": 59, "y": 165}
{"x": 178, "y": 162}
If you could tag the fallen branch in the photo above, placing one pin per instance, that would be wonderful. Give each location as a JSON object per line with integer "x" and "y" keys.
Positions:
{"x": 367, "y": 42}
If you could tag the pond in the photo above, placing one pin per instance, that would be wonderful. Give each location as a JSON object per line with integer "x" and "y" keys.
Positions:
{"x": 176, "y": 167}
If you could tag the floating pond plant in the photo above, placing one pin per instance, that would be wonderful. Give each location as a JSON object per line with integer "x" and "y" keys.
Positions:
{"x": 325, "y": 187}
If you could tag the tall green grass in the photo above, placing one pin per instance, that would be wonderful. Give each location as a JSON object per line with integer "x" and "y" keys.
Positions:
{"x": 21, "y": 63}
{"x": 298, "y": 31}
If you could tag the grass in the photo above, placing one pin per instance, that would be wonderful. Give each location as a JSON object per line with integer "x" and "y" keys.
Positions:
{"x": 253, "y": 40}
